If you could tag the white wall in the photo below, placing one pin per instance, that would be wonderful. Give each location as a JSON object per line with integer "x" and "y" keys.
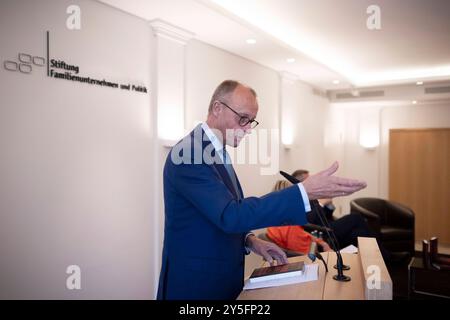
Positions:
{"x": 342, "y": 143}
{"x": 307, "y": 151}
{"x": 76, "y": 180}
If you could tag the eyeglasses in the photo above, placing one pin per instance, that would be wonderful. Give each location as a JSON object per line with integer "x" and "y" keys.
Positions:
{"x": 243, "y": 120}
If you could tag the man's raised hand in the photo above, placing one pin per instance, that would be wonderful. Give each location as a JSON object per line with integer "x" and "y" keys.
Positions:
{"x": 325, "y": 185}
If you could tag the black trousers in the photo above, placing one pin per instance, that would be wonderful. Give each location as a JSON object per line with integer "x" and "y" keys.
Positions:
{"x": 347, "y": 229}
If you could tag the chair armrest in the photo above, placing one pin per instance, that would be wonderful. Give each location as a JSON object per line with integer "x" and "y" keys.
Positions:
{"x": 400, "y": 216}
{"x": 373, "y": 220}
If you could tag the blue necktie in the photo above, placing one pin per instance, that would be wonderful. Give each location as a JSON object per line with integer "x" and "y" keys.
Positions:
{"x": 231, "y": 174}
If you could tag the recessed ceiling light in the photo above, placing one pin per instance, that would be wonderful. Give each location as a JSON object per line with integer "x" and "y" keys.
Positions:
{"x": 290, "y": 60}
{"x": 414, "y": 102}
{"x": 419, "y": 83}
{"x": 336, "y": 82}
{"x": 251, "y": 41}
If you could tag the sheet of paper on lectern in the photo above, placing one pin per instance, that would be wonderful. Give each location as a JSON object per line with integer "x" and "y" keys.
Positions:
{"x": 349, "y": 249}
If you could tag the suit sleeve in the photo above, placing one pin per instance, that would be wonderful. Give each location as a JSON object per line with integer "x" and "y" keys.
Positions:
{"x": 201, "y": 185}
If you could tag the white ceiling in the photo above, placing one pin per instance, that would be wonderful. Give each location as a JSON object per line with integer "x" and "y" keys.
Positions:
{"x": 329, "y": 39}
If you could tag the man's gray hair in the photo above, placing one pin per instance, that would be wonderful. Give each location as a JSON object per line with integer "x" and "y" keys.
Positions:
{"x": 224, "y": 89}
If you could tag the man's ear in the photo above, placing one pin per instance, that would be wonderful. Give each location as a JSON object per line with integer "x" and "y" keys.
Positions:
{"x": 216, "y": 108}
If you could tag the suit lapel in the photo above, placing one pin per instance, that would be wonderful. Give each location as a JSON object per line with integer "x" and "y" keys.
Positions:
{"x": 218, "y": 165}
{"x": 226, "y": 178}
{"x": 240, "y": 188}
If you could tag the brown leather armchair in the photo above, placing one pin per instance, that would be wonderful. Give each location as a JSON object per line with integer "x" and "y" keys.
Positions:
{"x": 391, "y": 221}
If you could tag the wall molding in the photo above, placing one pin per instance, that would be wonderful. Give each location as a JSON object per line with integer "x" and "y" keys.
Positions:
{"x": 288, "y": 77}
{"x": 169, "y": 31}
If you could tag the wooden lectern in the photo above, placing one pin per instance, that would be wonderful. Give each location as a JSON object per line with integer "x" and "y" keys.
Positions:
{"x": 370, "y": 279}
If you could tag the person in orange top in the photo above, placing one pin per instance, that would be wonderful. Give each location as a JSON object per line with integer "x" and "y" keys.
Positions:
{"x": 294, "y": 238}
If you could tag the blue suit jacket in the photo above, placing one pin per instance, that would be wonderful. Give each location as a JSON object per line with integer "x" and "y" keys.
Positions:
{"x": 205, "y": 224}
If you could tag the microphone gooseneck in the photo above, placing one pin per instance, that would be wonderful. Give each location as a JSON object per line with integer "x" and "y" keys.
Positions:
{"x": 340, "y": 266}
{"x": 339, "y": 261}
{"x": 323, "y": 260}
{"x": 333, "y": 239}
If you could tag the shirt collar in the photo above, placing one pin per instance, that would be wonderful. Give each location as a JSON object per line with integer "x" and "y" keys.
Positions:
{"x": 217, "y": 144}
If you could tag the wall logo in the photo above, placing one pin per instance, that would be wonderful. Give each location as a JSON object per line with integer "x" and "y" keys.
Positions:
{"x": 60, "y": 69}
{"x": 25, "y": 63}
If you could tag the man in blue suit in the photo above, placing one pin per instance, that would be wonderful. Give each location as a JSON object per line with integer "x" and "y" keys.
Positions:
{"x": 208, "y": 220}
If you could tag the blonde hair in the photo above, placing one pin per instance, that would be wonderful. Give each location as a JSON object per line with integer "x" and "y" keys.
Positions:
{"x": 281, "y": 184}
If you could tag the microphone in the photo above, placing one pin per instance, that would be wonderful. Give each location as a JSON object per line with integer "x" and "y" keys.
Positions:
{"x": 313, "y": 253}
{"x": 312, "y": 250}
{"x": 315, "y": 204}
{"x": 290, "y": 178}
